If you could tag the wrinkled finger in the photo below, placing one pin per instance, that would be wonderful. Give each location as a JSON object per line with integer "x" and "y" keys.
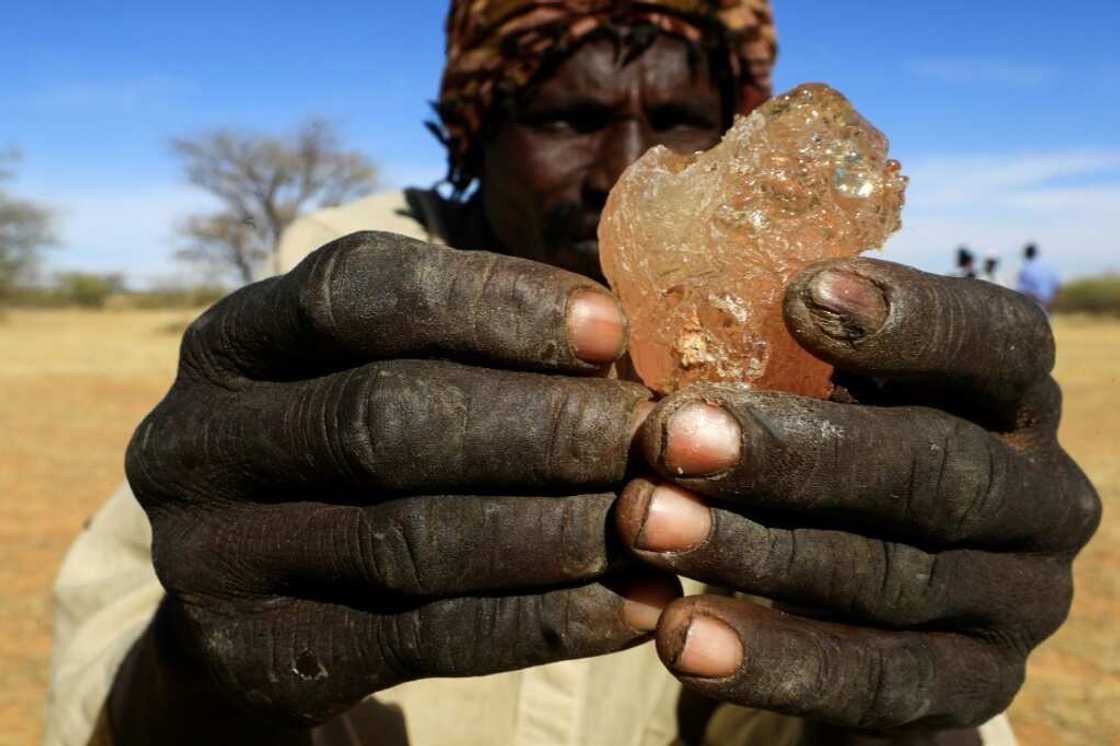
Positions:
{"x": 318, "y": 659}
{"x": 735, "y": 651}
{"x": 888, "y": 583}
{"x": 882, "y": 319}
{"x": 421, "y": 546}
{"x": 373, "y": 296}
{"x": 909, "y": 471}
{"x": 418, "y": 427}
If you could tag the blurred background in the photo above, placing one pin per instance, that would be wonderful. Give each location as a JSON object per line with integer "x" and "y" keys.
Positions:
{"x": 120, "y": 124}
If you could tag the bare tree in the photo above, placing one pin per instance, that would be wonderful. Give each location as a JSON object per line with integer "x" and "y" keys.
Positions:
{"x": 263, "y": 183}
{"x": 25, "y": 229}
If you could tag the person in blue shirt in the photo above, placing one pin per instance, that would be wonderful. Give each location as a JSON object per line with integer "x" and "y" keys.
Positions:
{"x": 1037, "y": 278}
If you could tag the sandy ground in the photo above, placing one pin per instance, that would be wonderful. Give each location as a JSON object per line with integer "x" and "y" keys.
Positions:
{"x": 74, "y": 384}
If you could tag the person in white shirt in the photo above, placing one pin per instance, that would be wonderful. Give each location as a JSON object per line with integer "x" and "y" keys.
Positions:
{"x": 990, "y": 271}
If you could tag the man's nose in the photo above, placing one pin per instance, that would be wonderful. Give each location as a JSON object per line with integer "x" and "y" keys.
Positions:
{"x": 620, "y": 145}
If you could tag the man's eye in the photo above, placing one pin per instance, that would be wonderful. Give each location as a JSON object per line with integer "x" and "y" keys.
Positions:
{"x": 666, "y": 118}
{"x": 583, "y": 120}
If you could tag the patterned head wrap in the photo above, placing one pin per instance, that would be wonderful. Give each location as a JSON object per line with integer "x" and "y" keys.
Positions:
{"x": 497, "y": 47}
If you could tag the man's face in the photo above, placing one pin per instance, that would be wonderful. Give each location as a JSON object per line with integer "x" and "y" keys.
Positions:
{"x": 547, "y": 171}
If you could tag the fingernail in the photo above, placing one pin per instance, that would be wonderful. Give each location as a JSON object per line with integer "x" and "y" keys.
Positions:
{"x": 701, "y": 439}
{"x": 711, "y": 649}
{"x": 853, "y": 306}
{"x": 596, "y": 327}
{"x": 675, "y": 521}
{"x": 645, "y": 599}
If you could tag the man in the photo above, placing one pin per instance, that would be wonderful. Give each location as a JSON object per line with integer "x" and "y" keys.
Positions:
{"x": 966, "y": 263}
{"x": 1037, "y": 279}
{"x": 400, "y": 466}
{"x": 990, "y": 271}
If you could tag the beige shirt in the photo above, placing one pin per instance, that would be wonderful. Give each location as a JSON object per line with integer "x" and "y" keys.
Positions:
{"x": 107, "y": 592}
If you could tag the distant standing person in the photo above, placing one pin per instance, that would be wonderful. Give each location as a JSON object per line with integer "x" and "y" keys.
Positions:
{"x": 990, "y": 271}
{"x": 966, "y": 263}
{"x": 1037, "y": 278}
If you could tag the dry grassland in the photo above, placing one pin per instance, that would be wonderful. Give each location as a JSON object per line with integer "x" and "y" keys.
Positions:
{"x": 74, "y": 384}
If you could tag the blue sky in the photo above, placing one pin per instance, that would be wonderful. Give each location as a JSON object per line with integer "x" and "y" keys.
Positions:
{"x": 1005, "y": 114}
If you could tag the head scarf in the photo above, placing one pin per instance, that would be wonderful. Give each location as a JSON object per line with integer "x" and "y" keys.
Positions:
{"x": 497, "y": 47}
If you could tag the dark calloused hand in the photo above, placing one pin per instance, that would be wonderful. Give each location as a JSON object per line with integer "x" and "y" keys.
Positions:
{"x": 917, "y": 533}
{"x": 394, "y": 462}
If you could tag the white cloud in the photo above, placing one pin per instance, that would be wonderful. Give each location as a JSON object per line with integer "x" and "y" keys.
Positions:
{"x": 1067, "y": 201}
{"x": 958, "y": 181}
{"x": 131, "y": 229}
{"x": 1102, "y": 199}
{"x": 978, "y": 71}
{"x": 118, "y": 229}
{"x": 122, "y": 95}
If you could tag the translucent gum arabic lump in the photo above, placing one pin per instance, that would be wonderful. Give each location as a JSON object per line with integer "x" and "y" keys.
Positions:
{"x": 700, "y": 248}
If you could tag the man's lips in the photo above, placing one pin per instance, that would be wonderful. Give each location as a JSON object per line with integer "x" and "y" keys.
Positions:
{"x": 575, "y": 241}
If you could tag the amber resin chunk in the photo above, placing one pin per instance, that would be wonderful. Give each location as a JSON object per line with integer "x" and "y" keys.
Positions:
{"x": 700, "y": 248}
